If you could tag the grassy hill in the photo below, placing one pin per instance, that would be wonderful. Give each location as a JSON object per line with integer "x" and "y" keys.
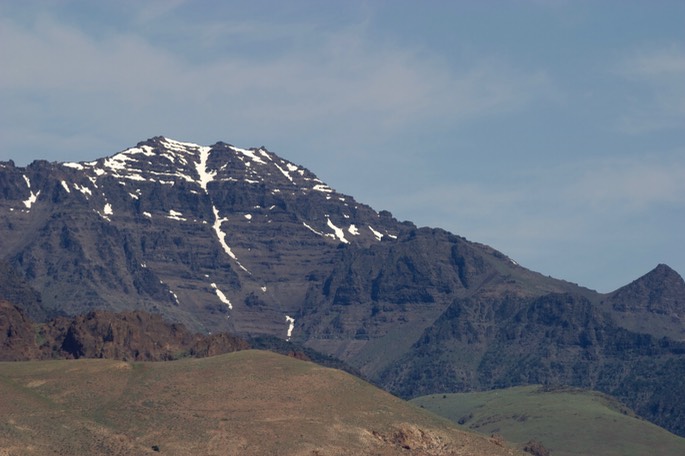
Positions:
{"x": 568, "y": 422}
{"x": 243, "y": 403}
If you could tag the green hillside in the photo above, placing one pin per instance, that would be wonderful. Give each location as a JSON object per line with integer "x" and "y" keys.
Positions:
{"x": 568, "y": 422}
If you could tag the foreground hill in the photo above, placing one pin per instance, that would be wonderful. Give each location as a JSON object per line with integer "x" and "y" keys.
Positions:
{"x": 225, "y": 239}
{"x": 568, "y": 422}
{"x": 244, "y": 403}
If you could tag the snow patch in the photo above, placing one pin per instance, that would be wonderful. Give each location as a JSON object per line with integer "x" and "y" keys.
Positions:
{"x": 222, "y": 296}
{"x": 248, "y": 216}
{"x": 32, "y": 198}
{"x": 147, "y": 214}
{"x": 135, "y": 177}
{"x": 249, "y": 153}
{"x": 117, "y": 162}
{"x": 353, "y": 230}
{"x": 85, "y": 190}
{"x": 291, "y": 326}
{"x": 103, "y": 215}
{"x": 66, "y": 187}
{"x": 178, "y": 145}
{"x": 339, "y": 233}
{"x": 145, "y": 150}
{"x": 222, "y": 237}
{"x": 284, "y": 172}
{"x": 378, "y": 234}
{"x": 175, "y": 215}
{"x": 201, "y": 167}
{"x": 322, "y": 188}
{"x": 171, "y": 158}
{"x": 107, "y": 210}
{"x": 74, "y": 165}
{"x": 312, "y": 229}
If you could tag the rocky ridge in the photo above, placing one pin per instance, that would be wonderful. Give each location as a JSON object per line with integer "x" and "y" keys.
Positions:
{"x": 128, "y": 336}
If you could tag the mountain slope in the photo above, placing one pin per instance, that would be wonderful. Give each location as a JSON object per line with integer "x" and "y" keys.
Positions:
{"x": 221, "y": 238}
{"x": 568, "y": 422}
{"x": 556, "y": 339}
{"x": 249, "y": 403}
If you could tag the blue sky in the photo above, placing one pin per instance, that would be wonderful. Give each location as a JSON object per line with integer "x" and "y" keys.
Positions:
{"x": 551, "y": 130}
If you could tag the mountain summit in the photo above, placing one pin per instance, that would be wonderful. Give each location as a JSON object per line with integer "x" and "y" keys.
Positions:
{"x": 222, "y": 238}
{"x": 655, "y": 300}
{"x": 660, "y": 291}
{"x": 181, "y": 229}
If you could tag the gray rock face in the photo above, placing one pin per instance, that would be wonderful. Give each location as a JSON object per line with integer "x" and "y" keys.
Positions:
{"x": 216, "y": 237}
{"x": 221, "y": 238}
{"x": 224, "y": 238}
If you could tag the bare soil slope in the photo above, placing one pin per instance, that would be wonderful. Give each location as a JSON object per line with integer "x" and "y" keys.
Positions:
{"x": 243, "y": 403}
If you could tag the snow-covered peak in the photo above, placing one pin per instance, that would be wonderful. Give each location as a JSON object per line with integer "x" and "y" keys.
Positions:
{"x": 216, "y": 171}
{"x": 168, "y": 161}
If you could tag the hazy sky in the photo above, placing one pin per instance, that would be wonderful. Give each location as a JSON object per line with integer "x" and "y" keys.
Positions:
{"x": 551, "y": 130}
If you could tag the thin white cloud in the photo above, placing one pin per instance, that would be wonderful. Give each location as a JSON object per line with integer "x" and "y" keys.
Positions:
{"x": 569, "y": 204}
{"x": 151, "y": 10}
{"x": 656, "y": 64}
{"x": 659, "y": 74}
{"x": 630, "y": 185}
{"x": 341, "y": 79}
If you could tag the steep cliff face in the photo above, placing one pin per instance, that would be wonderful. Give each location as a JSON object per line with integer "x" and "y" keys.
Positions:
{"x": 134, "y": 336}
{"x": 17, "y": 334}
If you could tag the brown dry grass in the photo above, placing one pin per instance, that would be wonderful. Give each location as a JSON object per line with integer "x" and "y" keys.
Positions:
{"x": 243, "y": 403}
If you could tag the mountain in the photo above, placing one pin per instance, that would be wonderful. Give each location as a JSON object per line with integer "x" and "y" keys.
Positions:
{"x": 184, "y": 230}
{"x": 224, "y": 238}
{"x": 221, "y": 238}
{"x": 248, "y": 403}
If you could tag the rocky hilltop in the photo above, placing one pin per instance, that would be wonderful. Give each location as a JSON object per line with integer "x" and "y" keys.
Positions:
{"x": 221, "y": 238}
